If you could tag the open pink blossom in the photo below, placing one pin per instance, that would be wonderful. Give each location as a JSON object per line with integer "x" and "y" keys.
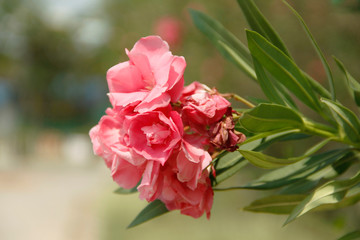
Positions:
{"x": 202, "y": 106}
{"x": 191, "y": 160}
{"x": 154, "y": 135}
{"x": 191, "y": 202}
{"x": 152, "y": 78}
{"x": 126, "y": 166}
{"x": 152, "y": 181}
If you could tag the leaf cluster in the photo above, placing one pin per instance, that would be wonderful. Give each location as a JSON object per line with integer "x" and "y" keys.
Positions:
{"x": 301, "y": 183}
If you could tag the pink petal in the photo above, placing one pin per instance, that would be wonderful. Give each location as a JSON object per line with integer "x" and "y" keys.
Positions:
{"x": 125, "y": 174}
{"x": 176, "y": 80}
{"x": 124, "y": 78}
{"x": 152, "y": 46}
{"x": 124, "y": 99}
{"x": 143, "y": 65}
{"x": 150, "y": 185}
{"x": 153, "y": 103}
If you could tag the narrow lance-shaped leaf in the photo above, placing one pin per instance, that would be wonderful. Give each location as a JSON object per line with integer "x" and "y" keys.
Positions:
{"x": 276, "y": 204}
{"x": 126, "y": 191}
{"x": 303, "y": 186}
{"x": 258, "y": 22}
{"x": 236, "y": 59}
{"x": 352, "y": 197}
{"x": 318, "y": 51}
{"x": 269, "y": 117}
{"x": 351, "y": 235}
{"x": 266, "y": 134}
{"x": 267, "y": 85}
{"x": 285, "y": 204}
{"x": 228, "y": 45}
{"x": 295, "y": 172}
{"x": 330, "y": 172}
{"x": 349, "y": 122}
{"x": 265, "y": 161}
{"x": 228, "y": 165}
{"x": 282, "y": 68}
{"x": 215, "y": 31}
{"x": 352, "y": 84}
{"x": 331, "y": 192}
{"x": 233, "y": 162}
{"x": 318, "y": 88}
{"x": 152, "y": 210}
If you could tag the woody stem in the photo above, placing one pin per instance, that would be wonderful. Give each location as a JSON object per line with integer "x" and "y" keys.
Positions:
{"x": 238, "y": 98}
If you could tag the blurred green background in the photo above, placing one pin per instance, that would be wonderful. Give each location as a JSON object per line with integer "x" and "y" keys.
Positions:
{"x": 53, "y": 60}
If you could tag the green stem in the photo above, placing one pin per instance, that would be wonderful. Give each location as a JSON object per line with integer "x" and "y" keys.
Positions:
{"x": 319, "y": 129}
{"x": 238, "y": 98}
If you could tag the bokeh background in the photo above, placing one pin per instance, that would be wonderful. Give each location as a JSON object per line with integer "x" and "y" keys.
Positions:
{"x": 53, "y": 59}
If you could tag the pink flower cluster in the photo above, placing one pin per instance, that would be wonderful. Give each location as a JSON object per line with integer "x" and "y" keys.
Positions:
{"x": 157, "y": 131}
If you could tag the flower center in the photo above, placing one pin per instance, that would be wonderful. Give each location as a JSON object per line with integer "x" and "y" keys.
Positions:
{"x": 155, "y": 134}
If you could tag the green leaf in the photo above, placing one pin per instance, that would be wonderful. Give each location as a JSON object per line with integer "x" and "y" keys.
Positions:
{"x": 318, "y": 88}
{"x": 126, "y": 191}
{"x": 331, "y": 192}
{"x": 297, "y": 171}
{"x": 233, "y": 56}
{"x": 258, "y": 22}
{"x": 227, "y": 160}
{"x": 293, "y": 173}
{"x": 303, "y": 186}
{"x": 329, "y": 172}
{"x": 228, "y": 45}
{"x": 285, "y": 203}
{"x": 276, "y": 204}
{"x": 353, "y": 85}
{"x": 228, "y": 166}
{"x": 318, "y": 51}
{"x": 257, "y": 101}
{"x": 349, "y": 122}
{"x": 266, "y": 85}
{"x": 270, "y": 117}
{"x": 265, "y": 161}
{"x": 351, "y": 236}
{"x": 231, "y": 163}
{"x": 152, "y": 210}
{"x": 282, "y": 68}
{"x": 352, "y": 197}
{"x": 271, "y": 133}
{"x": 269, "y": 88}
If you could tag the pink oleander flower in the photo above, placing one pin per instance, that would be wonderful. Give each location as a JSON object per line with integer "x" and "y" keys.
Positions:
{"x": 191, "y": 202}
{"x": 159, "y": 134}
{"x": 151, "y": 79}
{"x": 202, "y": 106}
{"x": 152, "y": 181}
{"x": 191, "y": 160}
{"x": 126, "y": 140}
{"x": 183, "y": 182}
{"x": 126, "y": 166}
{"x": 154, "y": 135}
{"x": 162, "y": 182}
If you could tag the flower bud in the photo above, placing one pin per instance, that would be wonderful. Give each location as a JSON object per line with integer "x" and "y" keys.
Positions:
{"x": 223, "y": 134}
